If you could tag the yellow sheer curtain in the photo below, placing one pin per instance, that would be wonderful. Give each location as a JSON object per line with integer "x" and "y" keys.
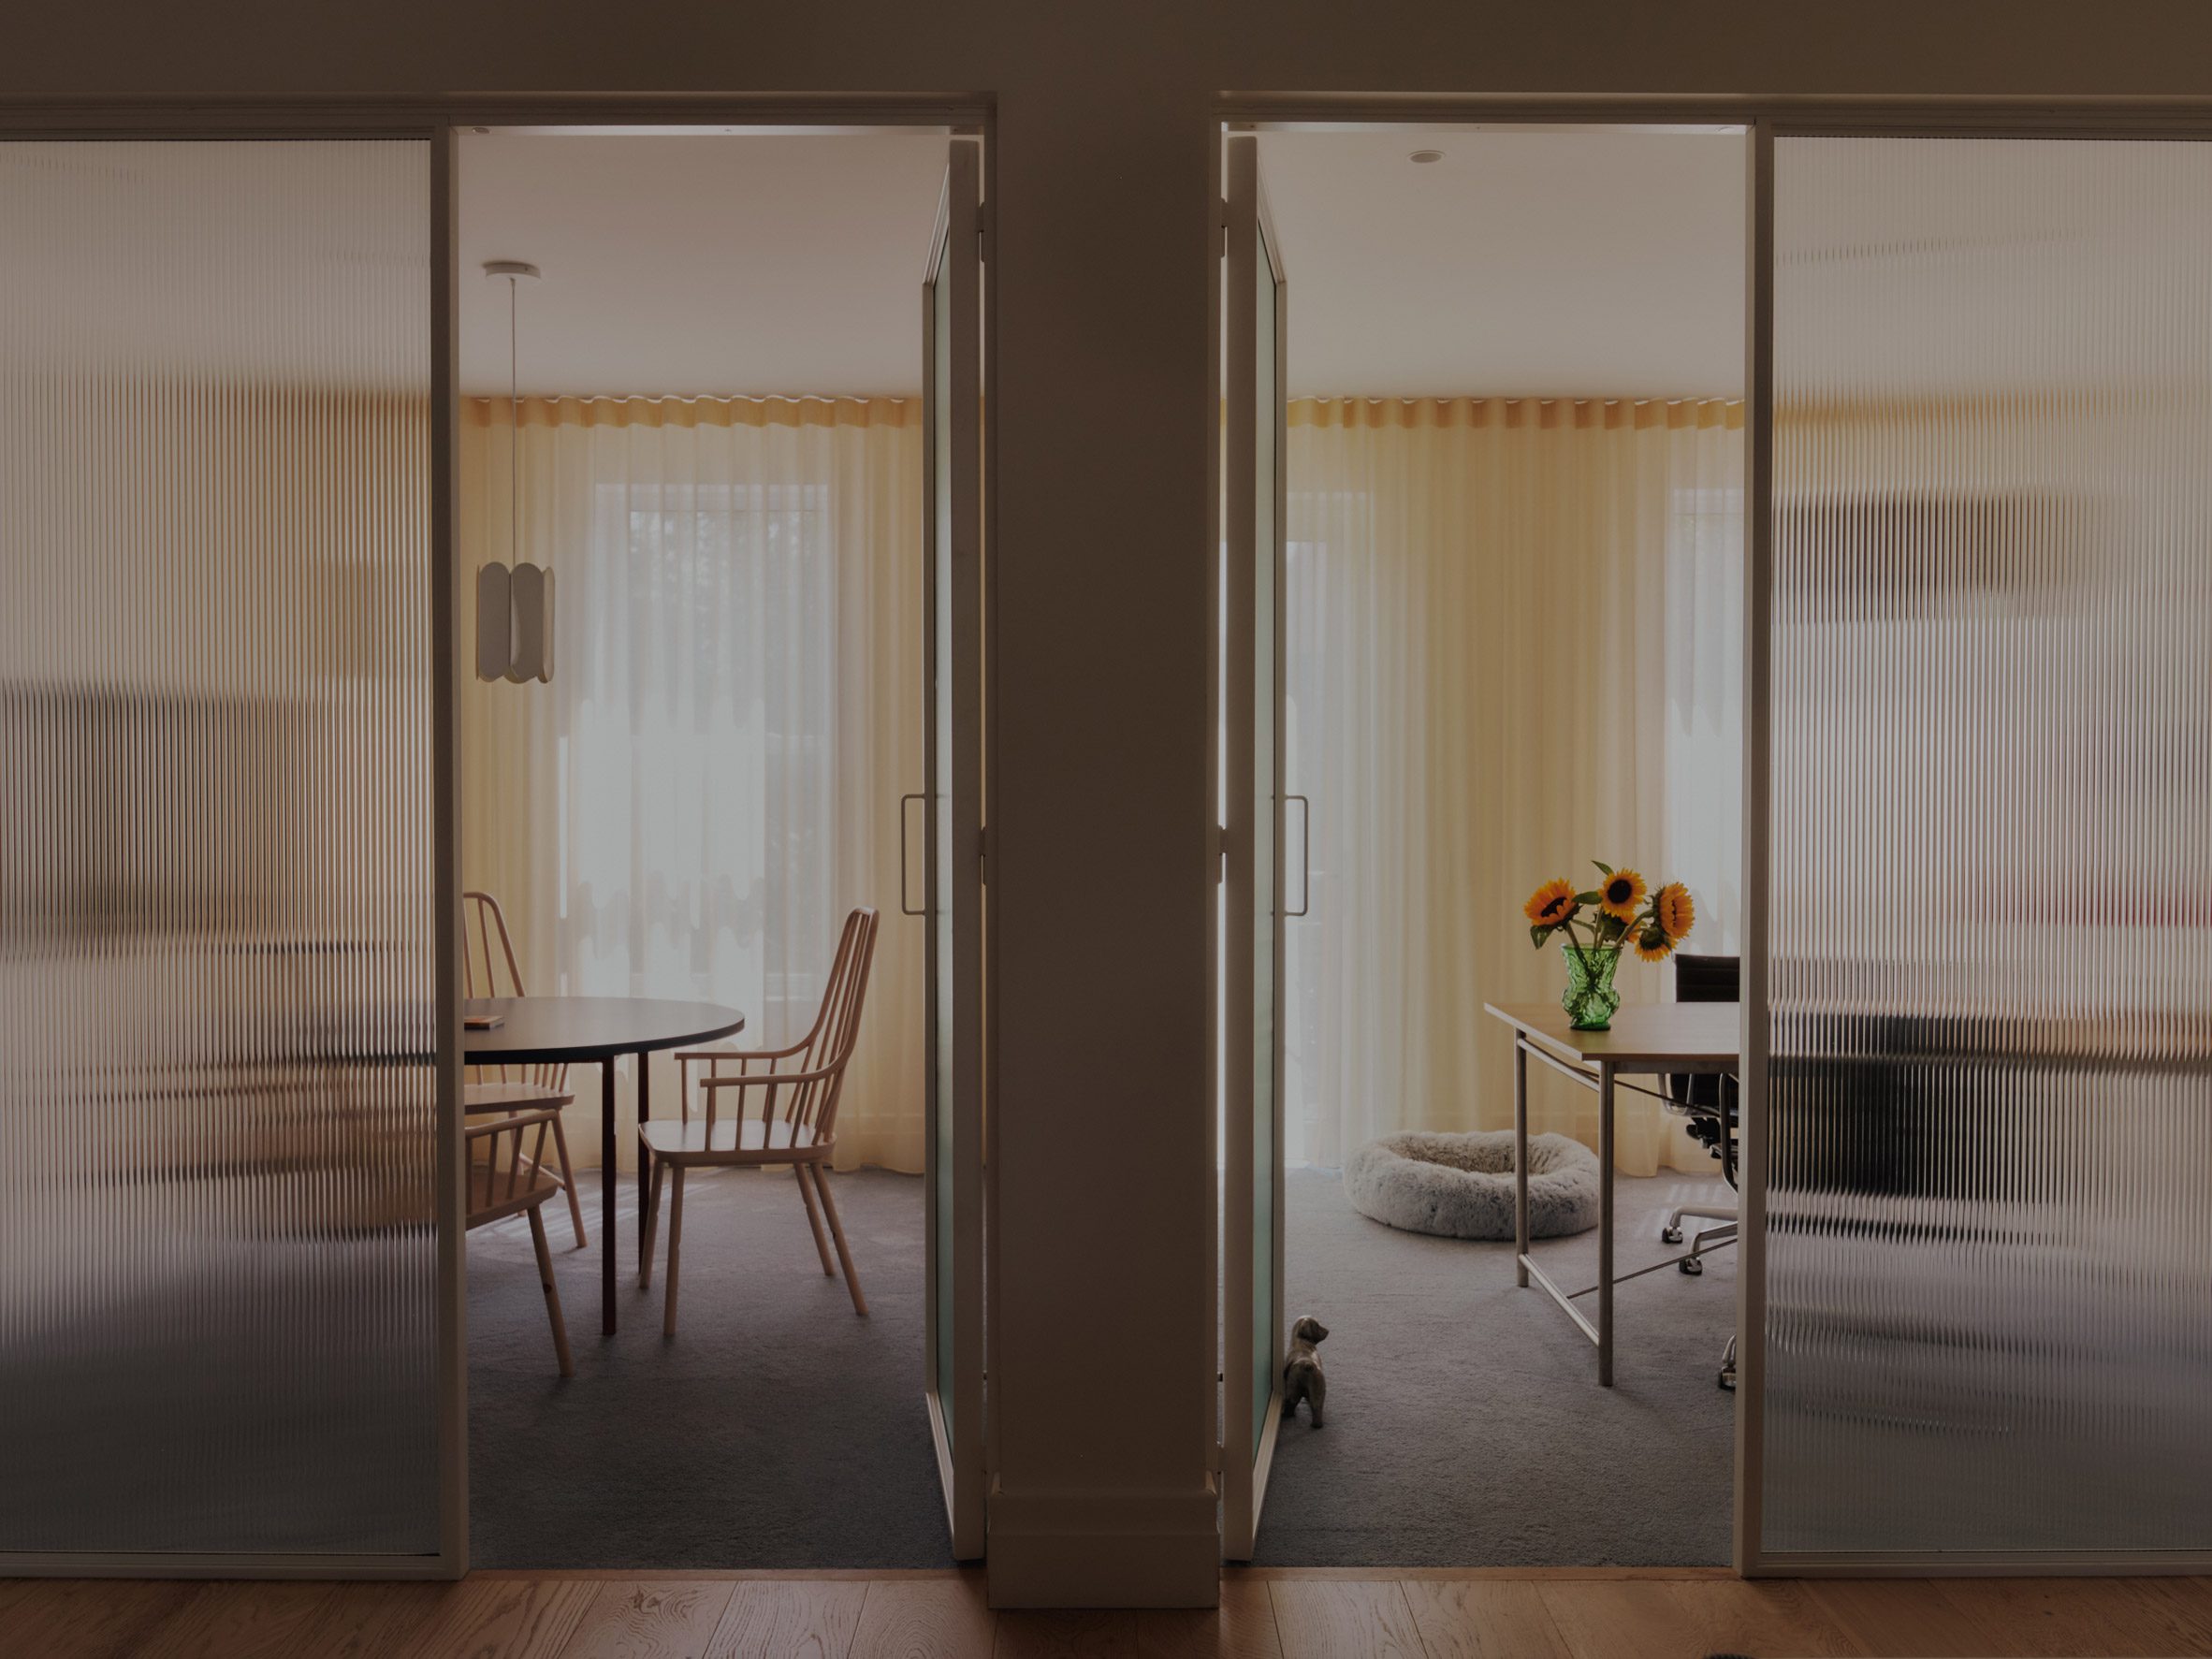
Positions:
{"x": 712, "y": 778}
{"x": 1516, "y": 641}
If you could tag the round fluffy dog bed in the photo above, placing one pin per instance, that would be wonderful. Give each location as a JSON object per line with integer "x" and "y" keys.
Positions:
{"x": 1461, "y": 1185}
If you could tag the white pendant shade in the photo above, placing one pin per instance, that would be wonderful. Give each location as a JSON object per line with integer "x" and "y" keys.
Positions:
{"x": 530, "y": 590}
{"x": 515, "y": 623}
{"x": 495, "y": 621}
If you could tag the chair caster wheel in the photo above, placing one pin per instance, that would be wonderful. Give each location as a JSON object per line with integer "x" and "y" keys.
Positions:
{"x": 1670, "y": 1235}
{"x": 1691, "y": 1265}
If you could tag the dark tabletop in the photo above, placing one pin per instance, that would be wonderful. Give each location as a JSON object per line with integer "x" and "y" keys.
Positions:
{"x": 550, "y": 1030}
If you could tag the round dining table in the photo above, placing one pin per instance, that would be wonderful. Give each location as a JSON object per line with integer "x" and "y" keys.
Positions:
{"x": 576, "y": 1030}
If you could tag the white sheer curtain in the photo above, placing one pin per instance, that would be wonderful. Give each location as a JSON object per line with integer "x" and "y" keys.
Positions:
{"x": 1515, "y": 645}
{"x": 712, "y": 778}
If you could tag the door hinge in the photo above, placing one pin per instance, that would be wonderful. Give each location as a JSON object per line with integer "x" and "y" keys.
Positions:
{"x": 983, "y": 856}
{"x": 982, "y": 232}
{"x": 1220, "y": 854}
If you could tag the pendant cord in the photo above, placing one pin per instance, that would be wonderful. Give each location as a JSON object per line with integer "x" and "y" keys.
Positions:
{"x": 514, "y": 433}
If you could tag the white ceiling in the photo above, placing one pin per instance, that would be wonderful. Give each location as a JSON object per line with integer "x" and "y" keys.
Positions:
{"x": 1554, "y": 263}
{"x": 1563, "y": 264}
{"x": 699, "y": 265}
{"x": 1523, "y": 263}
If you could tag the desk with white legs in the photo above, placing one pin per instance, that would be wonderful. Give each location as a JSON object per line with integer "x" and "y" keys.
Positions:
{"x": 1650, "y": 1039}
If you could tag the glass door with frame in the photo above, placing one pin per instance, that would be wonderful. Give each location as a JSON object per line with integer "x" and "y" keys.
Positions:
{"x": 952, "y": 842}
{"x": 1253, "y": 313}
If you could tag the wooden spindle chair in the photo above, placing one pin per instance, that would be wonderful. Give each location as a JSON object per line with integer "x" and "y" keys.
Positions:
{"x": 778, "y": 1107}
{"x": 505, "y": 1180}
{"x": 510, "y": 1088}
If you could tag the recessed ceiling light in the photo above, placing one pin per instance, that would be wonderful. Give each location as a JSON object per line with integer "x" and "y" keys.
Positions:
{"x": 1426, "y": 156}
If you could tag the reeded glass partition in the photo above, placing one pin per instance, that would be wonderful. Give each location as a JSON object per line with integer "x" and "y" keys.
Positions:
{"x": 218, "y": 1255}
{"x": 1989, "y": 1240}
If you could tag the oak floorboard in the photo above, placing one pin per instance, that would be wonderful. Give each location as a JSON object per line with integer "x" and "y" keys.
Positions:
{"x": 375, "y": 1620}
{"x": 2051, "y": 1618}
{"x": 1271, "y": 1616}
{"x": 627, "y": 1620}
{"x": 925, "y": 1619}
{"x": 1763, "y": 1616}
{"x": 91, "y": 1618}
{"x": 790, "y": 1621}
{"x": 241, "y": 1620}
{"x": 1344, "y": 1619}
{"x": 1065, "y": 1634}
{"x": 502, "y": 1618}
{"x": 1483, "y": 1620}
{"x": 1242, "y": 1627}
{"x": 1905, "y": 1619}
{"x": 1633, "y": 1621}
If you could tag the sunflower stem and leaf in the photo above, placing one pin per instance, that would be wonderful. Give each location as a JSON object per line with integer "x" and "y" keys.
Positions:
{"x": 1618, "y": 911}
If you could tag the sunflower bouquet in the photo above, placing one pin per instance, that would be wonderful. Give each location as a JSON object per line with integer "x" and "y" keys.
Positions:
{"x": 1596, "y": 923}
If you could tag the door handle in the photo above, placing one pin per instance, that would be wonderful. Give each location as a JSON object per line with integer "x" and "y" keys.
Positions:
{"x": 1306, "y": 855}
{"x": 904, "y": 908}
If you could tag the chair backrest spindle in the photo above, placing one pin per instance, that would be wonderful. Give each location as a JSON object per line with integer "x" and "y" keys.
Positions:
{"x": 490, "y": 922}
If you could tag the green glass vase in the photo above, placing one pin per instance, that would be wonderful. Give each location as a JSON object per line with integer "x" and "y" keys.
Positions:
{"x": 1589, "y": 998}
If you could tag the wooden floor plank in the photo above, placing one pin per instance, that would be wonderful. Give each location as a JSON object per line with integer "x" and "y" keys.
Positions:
{"x": 1483, "y": 1620}
{"x": 627, "y": 1620}
{"x": 1273, "y": 1615}
{"x": 234, "y": 1621}
{"x": 1765, "y": 1616}
{"x": 790, "y": 1621}
{"x": 2062, "y": 1617}
{"x": 1242, "y": 1627}
{"x": 1904, "y": 1619}
{"x": 91, "y": 1618}
{"x": 502, "y": 1618}
{"x": 1533, "y": 1575}
{"x": 375, "y": 1620}
{"x": 1630, "y": 1619}
{"x": 1344, "y": 1619}
{"x": 925, "y": 1619}
{"x": 1072, "y": 1634}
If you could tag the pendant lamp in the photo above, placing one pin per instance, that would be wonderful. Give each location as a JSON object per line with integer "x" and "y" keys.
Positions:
{"x": 514, "y": 600}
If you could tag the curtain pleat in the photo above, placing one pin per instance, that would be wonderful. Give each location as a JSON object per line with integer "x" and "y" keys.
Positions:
{"x": 712, "y": 778}
{"x": 1516, "y": 637}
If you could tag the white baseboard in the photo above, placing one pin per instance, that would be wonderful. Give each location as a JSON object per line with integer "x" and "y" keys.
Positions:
{"x": 1090, "y": 1549}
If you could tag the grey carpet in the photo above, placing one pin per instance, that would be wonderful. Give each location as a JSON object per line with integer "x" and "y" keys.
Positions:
{"x": 777, "y": 1430}
{"x": 1465, "y": 1424}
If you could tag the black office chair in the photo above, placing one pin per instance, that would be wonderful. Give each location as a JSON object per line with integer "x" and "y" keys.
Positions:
{"x": 1710, "y": 1103}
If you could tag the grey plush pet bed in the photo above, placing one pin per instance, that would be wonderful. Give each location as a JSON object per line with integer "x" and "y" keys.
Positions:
{"x": 1461, "y": 1185}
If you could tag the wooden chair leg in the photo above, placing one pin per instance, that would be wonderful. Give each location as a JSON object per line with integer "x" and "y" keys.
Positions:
{"x": 647, "y": 1226}
{"x": 537, "y": 1240}
{"x": 675, "y": 1244}
{"x": 814, "y": 1220}
{"x": 568, "y": 1181}
{"x": 829, "y": 1208}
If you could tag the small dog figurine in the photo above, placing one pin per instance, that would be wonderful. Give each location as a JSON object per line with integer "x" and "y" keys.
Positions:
{"x": 1302, "y": 1369}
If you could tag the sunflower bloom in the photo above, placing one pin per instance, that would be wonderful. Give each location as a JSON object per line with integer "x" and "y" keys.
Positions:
{"x": 1675, "y": 911}
{"x": 1550, "y": 904}
{"x": 1623, "y": 891}
{"x": 1653, "y": 945}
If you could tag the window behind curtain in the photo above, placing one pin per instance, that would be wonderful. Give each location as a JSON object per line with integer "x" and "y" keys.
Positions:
{"x": 701, "y": 748}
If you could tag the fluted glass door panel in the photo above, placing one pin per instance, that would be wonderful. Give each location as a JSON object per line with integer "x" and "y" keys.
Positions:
{"x": 218, "y": 1241}
{"x": 1990, "y": 1206}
